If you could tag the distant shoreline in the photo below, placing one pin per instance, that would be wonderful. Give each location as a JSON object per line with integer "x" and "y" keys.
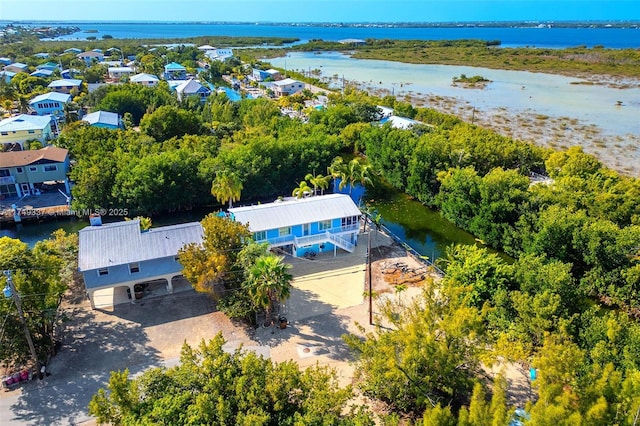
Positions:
{"x": 631, "y": 24}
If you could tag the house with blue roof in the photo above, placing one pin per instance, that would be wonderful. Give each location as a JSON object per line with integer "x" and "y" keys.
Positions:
{"x": 7, "y": 75}
{"x": 50, "y": 103}
{"x": 65, "y": 85}
{"x": 15, "y": 131}
{"x": 299, "y": 227}
{"x": 42, "y": 73}
{"x": 5, "y": 61}
{"x": 174, "y": 71}
{"x": 119, "y": 256}
{"x": 104, "y": 119}
{"x": 51, "y": 66}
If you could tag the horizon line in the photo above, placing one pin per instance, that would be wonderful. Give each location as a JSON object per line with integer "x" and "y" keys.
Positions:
{"x": 503, "y": 21}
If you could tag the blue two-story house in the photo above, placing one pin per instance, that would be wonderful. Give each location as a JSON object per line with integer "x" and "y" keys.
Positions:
{"x": 120, "y": 255}
{"x": 304, "y": 226}
{"x": 50, "y": 103}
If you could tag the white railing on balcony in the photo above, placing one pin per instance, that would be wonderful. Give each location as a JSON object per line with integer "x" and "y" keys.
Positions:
{"x": 342, "y": 243}
{"x": 7, "y": 180}
{"x": 281, "y": 241}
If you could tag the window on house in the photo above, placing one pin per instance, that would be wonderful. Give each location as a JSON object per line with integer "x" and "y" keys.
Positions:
{"x": 19, "y": 169}
{"x": 4, "y": 133}
{"x": 284, "y": 231}
{"x": 50, "y": 168}
{"x": 32, "y": 131}
{"x": 4, "y": 173}
{"x": 134, "y": 267}
{"x": 103, "y": 271}
{"x": 324, "y": 225}
{"x": 260, "y": 235}
{"x": 33, "y": 169}
{"x": 351, "y": 220}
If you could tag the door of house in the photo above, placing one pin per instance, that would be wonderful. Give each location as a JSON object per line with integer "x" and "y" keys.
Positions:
{"x": 24, "y": 187}
{"x": 306, "y": 229}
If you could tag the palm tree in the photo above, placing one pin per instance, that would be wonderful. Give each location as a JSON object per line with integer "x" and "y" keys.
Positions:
{"x": 318, "y": 181}
{"x": 338, "y": 170}
{"x": 226, "y": 186}
{"x": 269, "y": 282}
{"x": 302, "y": 190}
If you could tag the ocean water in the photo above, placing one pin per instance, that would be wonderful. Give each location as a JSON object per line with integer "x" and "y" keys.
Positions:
{"x": 509, "y": 36}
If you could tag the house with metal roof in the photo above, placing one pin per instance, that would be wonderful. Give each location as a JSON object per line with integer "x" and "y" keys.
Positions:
{"x": 286, "y": 87}
{"x": 303, "y": 226}
{"x": 119, "y": 72}
{"x": 7, "y": 75}
{"x": 21, "y": 172}
{"x": 219, "y": 54}
{"x": 192, "y": 87}
{"x": 50, "y": 103}
{"x": 143, "y": 79}
{"x": 51, "y": 66}
{"x": 42, "y": 55}
{"x": 104, "y": 119}
{"x": 400, "y": 122}
{"x": 42, "y": 73}
{"x": 121, "y": 255}
{"x": 17, "y": 67}
{"x": 91, "y": 57}
{"x": 174, "y": 71}
{"x": 72, "y": 50}
{"x": 65, "y": 85}
{"x": 4, "y": 60}
{"x": 15, "y": 131}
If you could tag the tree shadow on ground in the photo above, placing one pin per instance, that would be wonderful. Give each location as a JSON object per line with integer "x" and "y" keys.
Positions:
{"x": 91, "y": 349}
{"x": 311, "y": 323}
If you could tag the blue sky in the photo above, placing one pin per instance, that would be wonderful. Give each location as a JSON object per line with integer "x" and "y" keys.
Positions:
{"x": 319, "y": 10}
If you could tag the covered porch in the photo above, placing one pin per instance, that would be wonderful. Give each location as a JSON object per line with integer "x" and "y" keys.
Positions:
{"x": 135, "y": 290}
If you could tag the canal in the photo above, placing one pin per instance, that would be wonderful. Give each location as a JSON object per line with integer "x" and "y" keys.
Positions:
{"x": 425, "y": 230}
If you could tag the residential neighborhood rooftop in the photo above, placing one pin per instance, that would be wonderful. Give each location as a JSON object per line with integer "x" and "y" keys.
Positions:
{"x": 24, "y": 122}
{"x": 103, "y": 117}
{"x": 143, "y": 77}
{"x": 51, "y": 96}
{"x": 65, "y": 82}
{"x": 123, "y": 242}
{"x": 279, "y": 214}
{"x": 24, "y": 158}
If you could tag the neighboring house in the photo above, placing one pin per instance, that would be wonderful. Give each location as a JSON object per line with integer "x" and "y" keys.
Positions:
{"x": 259, "y": 75}
{"x": 119, "y": 72}
{"x": 353, "y": 42}
{"x": 147, "y": 80}
{"x": 50, "y": 103}
{"x": 17, "y": 130}
{"x": 65, "y": 85}
{"x": 42, "y": 55}
{"x": 286, "y": 87}
{"x": 7, "y": 75}
{"x": 90, "y": 57}
{"x": 117, "y": 255}
{"x": 73, "y": 50}
{"x": 399, "y": 122}
{"x": 51, "y": 66}
{"x": 192, "y": 87}
{"x": 219, "y": 54}
{"x": 21, "y": 172}
{"x": 174, "y": 71}
{"x": 274, "y": 74}
{"x": 42, "y": 73}
{"x": 5, "y": 61}
{"x": 298, "y": 226}
{"x": 206, "y": 48}
{"x": 16, "y": 67}
{"x": 385, "y": 111}
{"x": 69, "y": 73}
{"x": 104, "y": 119}
{"x": 111, "y": 64}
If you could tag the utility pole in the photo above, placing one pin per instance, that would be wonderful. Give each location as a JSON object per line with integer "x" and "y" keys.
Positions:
{"x": 10, "y": 291}
{"x": 369, "y": 278}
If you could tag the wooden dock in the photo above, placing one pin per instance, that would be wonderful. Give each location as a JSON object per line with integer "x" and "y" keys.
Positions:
{"x": 29, "y": 213}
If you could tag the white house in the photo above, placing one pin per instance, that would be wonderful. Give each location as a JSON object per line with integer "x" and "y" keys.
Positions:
{"x": 401, "y": 122}
{"x": 119, "y": 72}
{"x": 120, "y": 255}
{"x": 286, "y": 87}
{"x": 15, "y": 131}
{"x": 219, "y": 54}
{"x": 147, "y": 80}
